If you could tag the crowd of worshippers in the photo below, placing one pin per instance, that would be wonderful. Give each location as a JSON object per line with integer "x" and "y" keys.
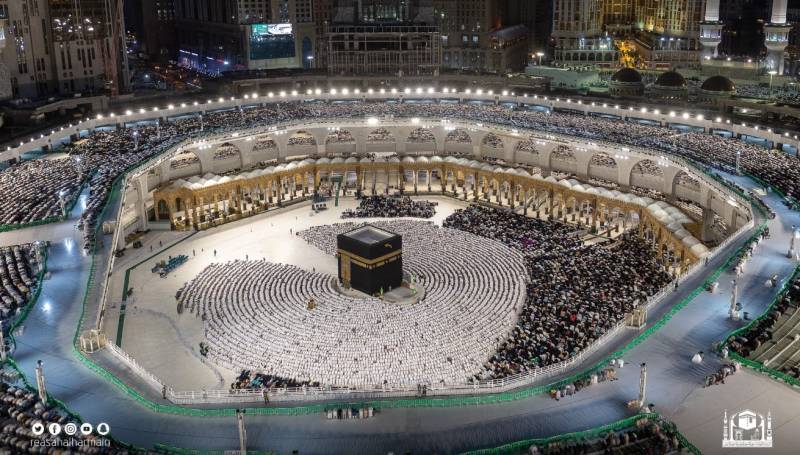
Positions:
{"x": 248, "y": 380}
{"x": 391, "y": 207}
{"x": 719, "y": 376}
{"x": 21, "y": 408}
{"x": 305, "y": 328}
{"x": 577, "y": 292}
{"x": 653, "y": 437}
{"x": 764, "y": 330}
{"x": 105, "y": 155}
{"x": 18, "y": 274}
{"x": 567, "y": 390}
{"x": 788, "y": 95}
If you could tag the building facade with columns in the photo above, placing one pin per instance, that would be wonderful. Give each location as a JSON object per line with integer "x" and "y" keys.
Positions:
{"x": 660, "y": 34}
{"x": 230, "y": 177}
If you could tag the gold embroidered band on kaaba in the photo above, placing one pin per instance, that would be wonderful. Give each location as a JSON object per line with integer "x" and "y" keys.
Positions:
{"x": 371, "y": 263}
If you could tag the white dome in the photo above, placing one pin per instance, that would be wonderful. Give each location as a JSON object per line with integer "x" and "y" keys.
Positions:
{"x": 690, "y": 241}
{"x": 674, "y": 226}
{"x": 700, "y": 251}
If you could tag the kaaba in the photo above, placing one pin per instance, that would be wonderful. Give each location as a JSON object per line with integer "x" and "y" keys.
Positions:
{"x": 370, "y": 259}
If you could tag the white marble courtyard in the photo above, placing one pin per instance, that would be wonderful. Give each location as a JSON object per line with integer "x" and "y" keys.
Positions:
{"x": 166, "y": 343}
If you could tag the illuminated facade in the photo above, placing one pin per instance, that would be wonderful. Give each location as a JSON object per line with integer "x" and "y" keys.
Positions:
{"x": 661, "y": 33}
{"x": 217, "y": 36}
{"x": 384, "y": 37}
{"x": 474, "y": 37}
{"x": 64, "y": 47}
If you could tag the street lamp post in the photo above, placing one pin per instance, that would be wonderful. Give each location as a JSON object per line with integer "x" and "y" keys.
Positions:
{"x": 792, "y": 252}
{"x": 540, "y": 54}
{"x": 738, "y": 162}
{"x": 63, "y": 203}
{"x": 733, "y": 312}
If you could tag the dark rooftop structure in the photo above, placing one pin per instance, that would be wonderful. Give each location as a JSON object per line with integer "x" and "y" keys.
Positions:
{"x": 370, "y": 259}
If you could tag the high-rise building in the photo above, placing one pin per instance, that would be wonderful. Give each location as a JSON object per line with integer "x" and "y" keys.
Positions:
{"x": 537, "y": 16}
{"x": 64, "y": 47}
{"x": 391, "y": 37}
{"x": 475, "y": 38}
{"x": 644, "y": 33}
{"x": 153, "y": 24}
{"x": 321, "y": 16}
{"x": 89, "y": 41}
{"x": 777, "y": 36}
{"x": 224, "y": 35}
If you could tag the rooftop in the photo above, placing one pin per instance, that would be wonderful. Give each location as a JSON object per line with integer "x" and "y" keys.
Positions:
{"x": 370, "y": 234}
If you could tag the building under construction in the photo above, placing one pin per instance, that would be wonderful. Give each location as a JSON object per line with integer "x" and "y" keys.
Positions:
{"x": 392, "y": 37}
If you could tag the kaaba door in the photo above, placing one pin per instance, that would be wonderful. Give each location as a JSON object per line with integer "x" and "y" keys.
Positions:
{"x": 345, "y": 269}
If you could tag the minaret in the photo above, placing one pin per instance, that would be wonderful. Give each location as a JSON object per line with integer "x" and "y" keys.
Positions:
{"x": 777, "y": 36}
{"x": 769, "y": 425}
{"x": 710, "y": 31}
{"x": 725, "y": 427}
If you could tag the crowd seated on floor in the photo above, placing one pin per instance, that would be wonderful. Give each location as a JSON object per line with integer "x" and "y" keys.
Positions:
{"x": 31, "y": 189}
{"x": 105, "y": 155}
{"x": 787, "y": 95}
{"x": 566, "y": 294}
{"x": 18, "y": 275}
{"x": 771, "y": 339}
{"x": 248, "y": 380}
{"x": 576, "y": 292}
{"x": 458, "y": 309}
{"x": 391, "y": 207}
{"x": 20, "y": 409}
{"x": 654, "y": 437}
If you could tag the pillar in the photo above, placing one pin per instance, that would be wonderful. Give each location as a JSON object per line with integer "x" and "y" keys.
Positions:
{"x": 242, "y": 432}
{"x": 733, "y": 312}
{"x": 191, "y": 208}
{"x": 429, "y": 180}
{"x": 792, "y": 237}
{"x": 202, "y": 205}
{"x": 642, "y": 385}
{"x": 40, "y": 381}
{"x": 3, "y": 353}
{"x": 141, "y": 205}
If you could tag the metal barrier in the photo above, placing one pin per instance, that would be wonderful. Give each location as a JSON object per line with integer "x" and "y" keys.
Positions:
{"x": 758, "y": 366}
{"x": 587, "y": 435}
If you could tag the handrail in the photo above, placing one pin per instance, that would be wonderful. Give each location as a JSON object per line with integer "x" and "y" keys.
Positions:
{"x": 753, "y": 364}
{"x": 580, "y": 436}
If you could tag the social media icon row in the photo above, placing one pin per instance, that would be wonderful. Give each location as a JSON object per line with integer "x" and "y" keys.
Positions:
{"x": 70, "y": 429}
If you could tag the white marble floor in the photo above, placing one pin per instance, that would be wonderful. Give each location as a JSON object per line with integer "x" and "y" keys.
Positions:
{"x": 166, "y": 343}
